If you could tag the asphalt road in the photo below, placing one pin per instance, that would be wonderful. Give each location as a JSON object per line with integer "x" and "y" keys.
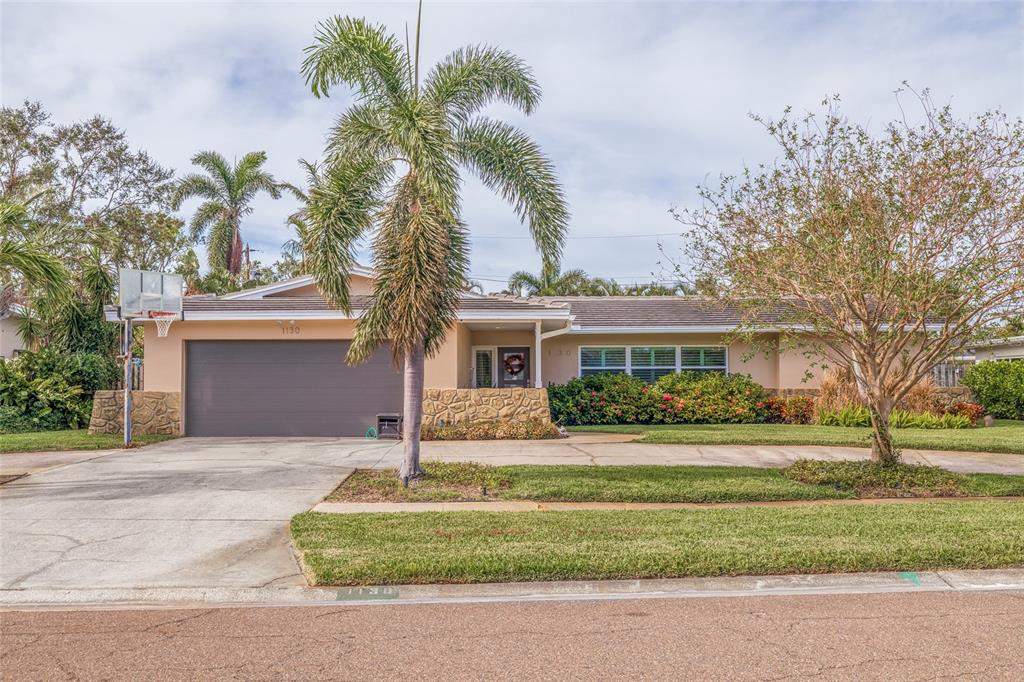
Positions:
{"x": 899, "y": 636}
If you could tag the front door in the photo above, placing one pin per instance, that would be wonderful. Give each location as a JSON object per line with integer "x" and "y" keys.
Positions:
{"x": 513, "y": 367}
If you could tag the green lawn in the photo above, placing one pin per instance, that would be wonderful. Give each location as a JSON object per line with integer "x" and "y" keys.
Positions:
{"x": 71, "y": 439}
{"x": 467, "y": 482}
{"x": 465, "y": 547}
{"x": 1005, "y": 436}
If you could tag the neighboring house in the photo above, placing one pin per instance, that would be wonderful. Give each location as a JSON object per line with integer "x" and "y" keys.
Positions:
{"x": 1009, "y": 348}
{"x": 11, "y": 342}
{"x": 270, "y": 361}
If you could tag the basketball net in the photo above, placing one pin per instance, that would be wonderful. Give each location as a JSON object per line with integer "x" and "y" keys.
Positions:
{"x": 163, "y": 321}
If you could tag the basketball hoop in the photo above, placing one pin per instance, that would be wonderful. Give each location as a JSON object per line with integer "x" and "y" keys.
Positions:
{"x": 163, "y": 321}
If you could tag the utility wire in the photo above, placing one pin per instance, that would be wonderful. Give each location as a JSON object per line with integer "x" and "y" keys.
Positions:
{"x": 588, "y": 236}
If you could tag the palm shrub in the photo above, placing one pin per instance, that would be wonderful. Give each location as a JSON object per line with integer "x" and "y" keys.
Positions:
{"x": 998, "y": 386}
{"x": 392, "y": 168}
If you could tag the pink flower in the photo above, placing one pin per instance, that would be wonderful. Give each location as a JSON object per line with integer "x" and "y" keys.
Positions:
{"x": 666, "y": 397}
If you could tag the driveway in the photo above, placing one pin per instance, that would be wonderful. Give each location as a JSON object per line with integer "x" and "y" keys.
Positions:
{"x": 184, "y": 513}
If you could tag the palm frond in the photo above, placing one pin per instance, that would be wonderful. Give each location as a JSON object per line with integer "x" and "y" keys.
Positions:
{"x": 216, "y": 165}
{"x": 510, "y": 163}
{"x": 363, "y": 129}
{"x": 365, "y": 56}
{"x": 195, "y": 185}
{"x": 207, "y": 213}
{"x": 520, "y": 280}
{"x": 472, "y": 77}
{"x": 341, "y": 207}
{"x": 219, "y": 242}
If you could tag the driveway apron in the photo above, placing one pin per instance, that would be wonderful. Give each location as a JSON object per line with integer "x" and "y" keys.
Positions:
{"x": 184, "y": 513}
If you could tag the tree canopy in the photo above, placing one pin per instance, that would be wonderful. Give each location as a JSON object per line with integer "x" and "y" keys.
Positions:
{"x": 893, "y": 250}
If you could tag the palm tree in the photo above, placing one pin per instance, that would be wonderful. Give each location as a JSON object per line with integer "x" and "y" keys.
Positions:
{"x": 550, "y": 282}
{"x": 23, "y": 262}
{"x": 227, "y": 191}
{"x": 392, "y": 166}
{"x": 294, "y": 250}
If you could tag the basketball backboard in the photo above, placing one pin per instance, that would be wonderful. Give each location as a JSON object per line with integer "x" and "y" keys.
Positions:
{"x": 144, "y": 292}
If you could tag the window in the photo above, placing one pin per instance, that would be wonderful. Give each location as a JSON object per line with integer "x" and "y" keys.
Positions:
{"x": 709, "y": 359}
{"x": 651, "y": 363}
{"x": 483, "y": 368}
{"x": 599, "y": 360}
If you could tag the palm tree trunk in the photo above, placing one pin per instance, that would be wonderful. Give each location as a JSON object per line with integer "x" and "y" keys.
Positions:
{"x": 235, "y": 254}
{"x": 412, "y": 418}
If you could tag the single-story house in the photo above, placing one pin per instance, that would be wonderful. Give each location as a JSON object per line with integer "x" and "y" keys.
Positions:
{"x": 11, "y": 341}
{"x": 1009, "y": 348}
{"x": 270, "y": 360}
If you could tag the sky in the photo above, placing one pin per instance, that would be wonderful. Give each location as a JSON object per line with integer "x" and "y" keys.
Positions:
{"x": 642, "y": 101}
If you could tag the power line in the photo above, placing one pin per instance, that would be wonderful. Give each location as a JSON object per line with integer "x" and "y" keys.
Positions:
{"x": 588, "y": 236}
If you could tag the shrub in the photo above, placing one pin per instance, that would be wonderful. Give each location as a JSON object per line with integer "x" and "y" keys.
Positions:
{"x": 710, "y": 398}
{"x": 925, "y": 396}
{"x": 873, "y": 479}
{"x": 851, "y": 415}
{"x": 837, "y": 390}
{"x": 798, "y": 409}
{"x": 856, "y": 415}
{"x": 533, "y": 429}
{"x": 972, "y": 411}
{"x": 998, "y": 386}
{"x": 49, "y": 390}
{"x": 603, "y": 399}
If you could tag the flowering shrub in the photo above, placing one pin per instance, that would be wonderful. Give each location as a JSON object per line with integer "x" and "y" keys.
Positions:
{"x": 795, "y": 409}
{"x": 684, "y": 398}
{"x": 972, "y": 411}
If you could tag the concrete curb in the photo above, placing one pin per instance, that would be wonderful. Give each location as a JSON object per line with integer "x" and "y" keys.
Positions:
{"x": 526, "y": 505}
{"x": 681, "y": 588}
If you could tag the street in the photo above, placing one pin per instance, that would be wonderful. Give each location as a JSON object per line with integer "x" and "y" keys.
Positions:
{"x": 906, "y": 636}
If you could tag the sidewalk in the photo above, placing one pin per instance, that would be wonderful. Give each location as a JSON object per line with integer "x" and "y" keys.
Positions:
{"x": 613, "y": 449}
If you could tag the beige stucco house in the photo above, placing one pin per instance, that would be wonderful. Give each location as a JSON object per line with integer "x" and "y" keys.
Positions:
{"x": 1008, "y": 348}
{"x": 270, "y": 361}
{"x": 11, "y": 342}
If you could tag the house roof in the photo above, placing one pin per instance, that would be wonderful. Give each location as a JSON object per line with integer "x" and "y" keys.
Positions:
{"x": 653, "y": 312}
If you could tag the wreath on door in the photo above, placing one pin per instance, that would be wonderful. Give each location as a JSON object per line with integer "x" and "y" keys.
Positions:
{"x": 514, "y": 364}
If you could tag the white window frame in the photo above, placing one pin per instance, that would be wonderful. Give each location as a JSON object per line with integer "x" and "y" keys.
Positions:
{"x": 494, "y": 365}
{"x": 629, "y": 352}
{"x": 679, "y": 357}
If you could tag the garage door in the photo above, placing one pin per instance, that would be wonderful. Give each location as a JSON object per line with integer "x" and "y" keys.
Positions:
{"x": 285, "y": 388}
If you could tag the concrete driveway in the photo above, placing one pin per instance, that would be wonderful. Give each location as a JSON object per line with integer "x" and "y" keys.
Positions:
{"x": 184, "y": 513}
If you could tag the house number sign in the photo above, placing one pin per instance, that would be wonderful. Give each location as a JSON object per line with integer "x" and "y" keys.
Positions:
{"x": 289, "y": 329}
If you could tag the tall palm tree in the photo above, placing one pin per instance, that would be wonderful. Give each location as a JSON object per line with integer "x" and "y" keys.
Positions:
{"x": 392, "y": 166}
{"x": 227, "y": 189}
{"x": 550, "y": 282}
{"x": 23, "y": 263}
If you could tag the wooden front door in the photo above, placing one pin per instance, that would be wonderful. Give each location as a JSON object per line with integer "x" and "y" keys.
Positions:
{"x": 514, "y": 367}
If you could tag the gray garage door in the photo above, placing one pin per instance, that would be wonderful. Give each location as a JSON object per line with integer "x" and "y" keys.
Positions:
{"x": 285, "y": 388}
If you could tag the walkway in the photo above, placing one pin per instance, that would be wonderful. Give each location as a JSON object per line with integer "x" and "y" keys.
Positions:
{"x": 612, "y": 449}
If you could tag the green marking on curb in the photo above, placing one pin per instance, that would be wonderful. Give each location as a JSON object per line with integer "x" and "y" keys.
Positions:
{"x": 911, "y": 577}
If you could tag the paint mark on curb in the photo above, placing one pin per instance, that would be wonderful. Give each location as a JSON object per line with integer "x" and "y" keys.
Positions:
{"x": 911, "y": 577}
{"x": 366, "y": 593}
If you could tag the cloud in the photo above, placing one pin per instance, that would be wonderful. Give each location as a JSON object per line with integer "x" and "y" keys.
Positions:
{"x": 642, "y": 102}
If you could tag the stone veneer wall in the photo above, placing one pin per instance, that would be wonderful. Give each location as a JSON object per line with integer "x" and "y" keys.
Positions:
{"x": 153, "y": 412}
{"x": 452, "y": 405}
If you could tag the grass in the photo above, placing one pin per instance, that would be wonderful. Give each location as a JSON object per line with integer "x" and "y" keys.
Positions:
{"x": 450, "y": 482}
{"x": 467, "y": 547}
{"x": 1004, "y": 436}
{"x": 71, "y": 439}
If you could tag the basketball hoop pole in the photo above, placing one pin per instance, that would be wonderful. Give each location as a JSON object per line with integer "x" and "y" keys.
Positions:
{"x": 128, "y": 382}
